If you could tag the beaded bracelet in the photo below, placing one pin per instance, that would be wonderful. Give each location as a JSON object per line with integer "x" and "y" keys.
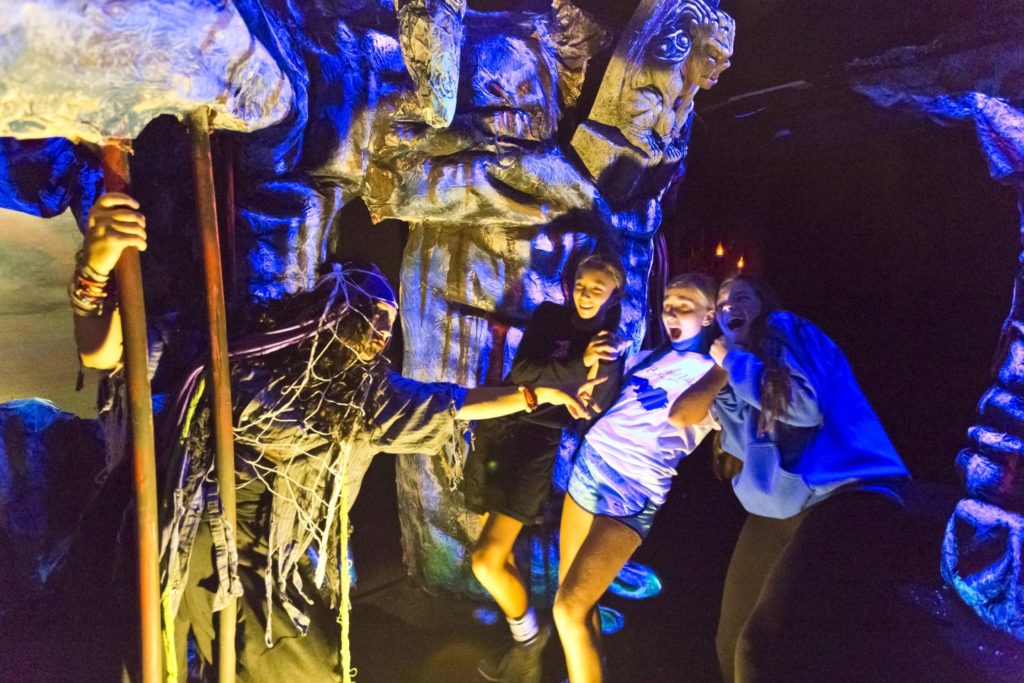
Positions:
{"x": 87, "y": 272}
{"x": 530, "y": 396}
{"x": 88, "y": 290}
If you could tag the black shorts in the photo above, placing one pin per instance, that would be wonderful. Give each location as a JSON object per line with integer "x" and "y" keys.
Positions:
{"x": 509, "y": 468}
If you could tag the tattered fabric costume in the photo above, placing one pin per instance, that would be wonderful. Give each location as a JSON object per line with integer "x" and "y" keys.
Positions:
{"x": 305, "y": 432}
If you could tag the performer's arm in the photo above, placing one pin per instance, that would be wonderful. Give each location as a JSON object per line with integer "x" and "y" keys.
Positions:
{"x": 114, "y": 224}
{"x": 487, "y": 402}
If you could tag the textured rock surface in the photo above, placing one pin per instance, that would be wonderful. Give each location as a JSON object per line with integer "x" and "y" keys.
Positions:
{"x": 982, "y": 85}
{"x": 98, "y": 69}
{"x": 48, "y": 464}
{"x": 430, "y": 33}
{"x": 981, "y": 559}
{"x": 668, "y": 52}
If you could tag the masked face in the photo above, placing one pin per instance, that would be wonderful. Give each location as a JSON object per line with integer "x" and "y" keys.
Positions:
{"x": 510, "y": 93}
{"x": 712, "y": 48}
{"x": 377, "y": 335}
{"x": 655, "y": 110}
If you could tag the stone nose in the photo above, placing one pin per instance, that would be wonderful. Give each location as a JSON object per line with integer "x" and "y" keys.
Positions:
{"x": 663, "y": 126}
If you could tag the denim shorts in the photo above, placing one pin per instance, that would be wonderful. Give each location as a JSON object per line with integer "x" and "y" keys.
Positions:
{"x": 599, "y": 496}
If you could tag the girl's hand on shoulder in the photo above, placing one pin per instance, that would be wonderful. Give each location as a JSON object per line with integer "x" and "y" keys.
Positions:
{"x": 114, "y": 225}
{"x": 719, "y": 348}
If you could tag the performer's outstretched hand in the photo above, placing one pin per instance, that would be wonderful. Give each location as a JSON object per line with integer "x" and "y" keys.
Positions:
{"x": 560, "y": 397}
{"x": 578, "y": 399}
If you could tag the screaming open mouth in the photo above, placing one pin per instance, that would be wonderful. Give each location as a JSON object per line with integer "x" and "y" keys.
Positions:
{"x": 735, "y": 324}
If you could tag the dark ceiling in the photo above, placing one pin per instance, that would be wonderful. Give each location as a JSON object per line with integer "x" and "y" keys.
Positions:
{"x": 793, "y": 58}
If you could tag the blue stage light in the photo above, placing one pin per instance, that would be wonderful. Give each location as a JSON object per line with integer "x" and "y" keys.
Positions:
{"x": 612, "y": 620}
{"x": 485, "y": 615}
{"x": 636, "y": 581}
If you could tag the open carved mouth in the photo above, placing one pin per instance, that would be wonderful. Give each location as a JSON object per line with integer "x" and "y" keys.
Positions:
{"x": 508, "y": 123}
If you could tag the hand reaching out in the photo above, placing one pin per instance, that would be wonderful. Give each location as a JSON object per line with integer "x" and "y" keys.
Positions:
{"x": 578, "y": 400}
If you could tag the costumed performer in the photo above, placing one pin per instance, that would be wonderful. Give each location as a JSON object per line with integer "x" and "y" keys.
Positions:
{"x": 313, "y": 401}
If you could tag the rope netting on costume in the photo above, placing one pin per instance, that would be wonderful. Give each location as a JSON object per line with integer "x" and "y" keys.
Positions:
{"x": 326, "y": 391}
{"x": 306, "y": 385}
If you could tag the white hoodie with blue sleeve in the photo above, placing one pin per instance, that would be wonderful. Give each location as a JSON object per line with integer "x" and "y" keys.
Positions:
{"x": 827, "y": 438}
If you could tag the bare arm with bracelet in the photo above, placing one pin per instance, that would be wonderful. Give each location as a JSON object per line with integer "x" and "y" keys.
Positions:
{"x": 114, "y": 224}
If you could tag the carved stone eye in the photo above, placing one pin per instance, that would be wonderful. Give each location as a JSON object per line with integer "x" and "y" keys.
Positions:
{"x": 672, "y": 47}
{"x": 494, "y": 87}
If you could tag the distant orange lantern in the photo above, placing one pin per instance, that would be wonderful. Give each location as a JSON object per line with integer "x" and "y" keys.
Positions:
{"x": 740, "y": 263}
{"x": 719, "y": 250}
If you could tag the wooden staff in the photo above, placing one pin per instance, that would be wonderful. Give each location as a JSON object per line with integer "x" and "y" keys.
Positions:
{"x": 116, "y": 178}
{"x": 224, "y": 157}
{"x": 223, "y": 431}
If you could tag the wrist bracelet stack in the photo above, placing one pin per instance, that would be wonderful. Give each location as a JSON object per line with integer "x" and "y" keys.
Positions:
{"x": 530, "y": 396}
{"x": 88, "y": 290}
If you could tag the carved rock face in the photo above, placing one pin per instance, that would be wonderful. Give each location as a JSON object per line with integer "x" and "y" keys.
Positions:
{"x": 430, "y": 32}
{"x": 712, "y": 48}
{"x": 638, "y": 121}
{"x": 510, "y": 90}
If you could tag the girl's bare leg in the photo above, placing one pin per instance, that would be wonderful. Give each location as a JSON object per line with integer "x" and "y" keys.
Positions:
{"x": 575, "y": 526}
{"x": 604, "y": 551}
{"x": 494, "y": 568}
